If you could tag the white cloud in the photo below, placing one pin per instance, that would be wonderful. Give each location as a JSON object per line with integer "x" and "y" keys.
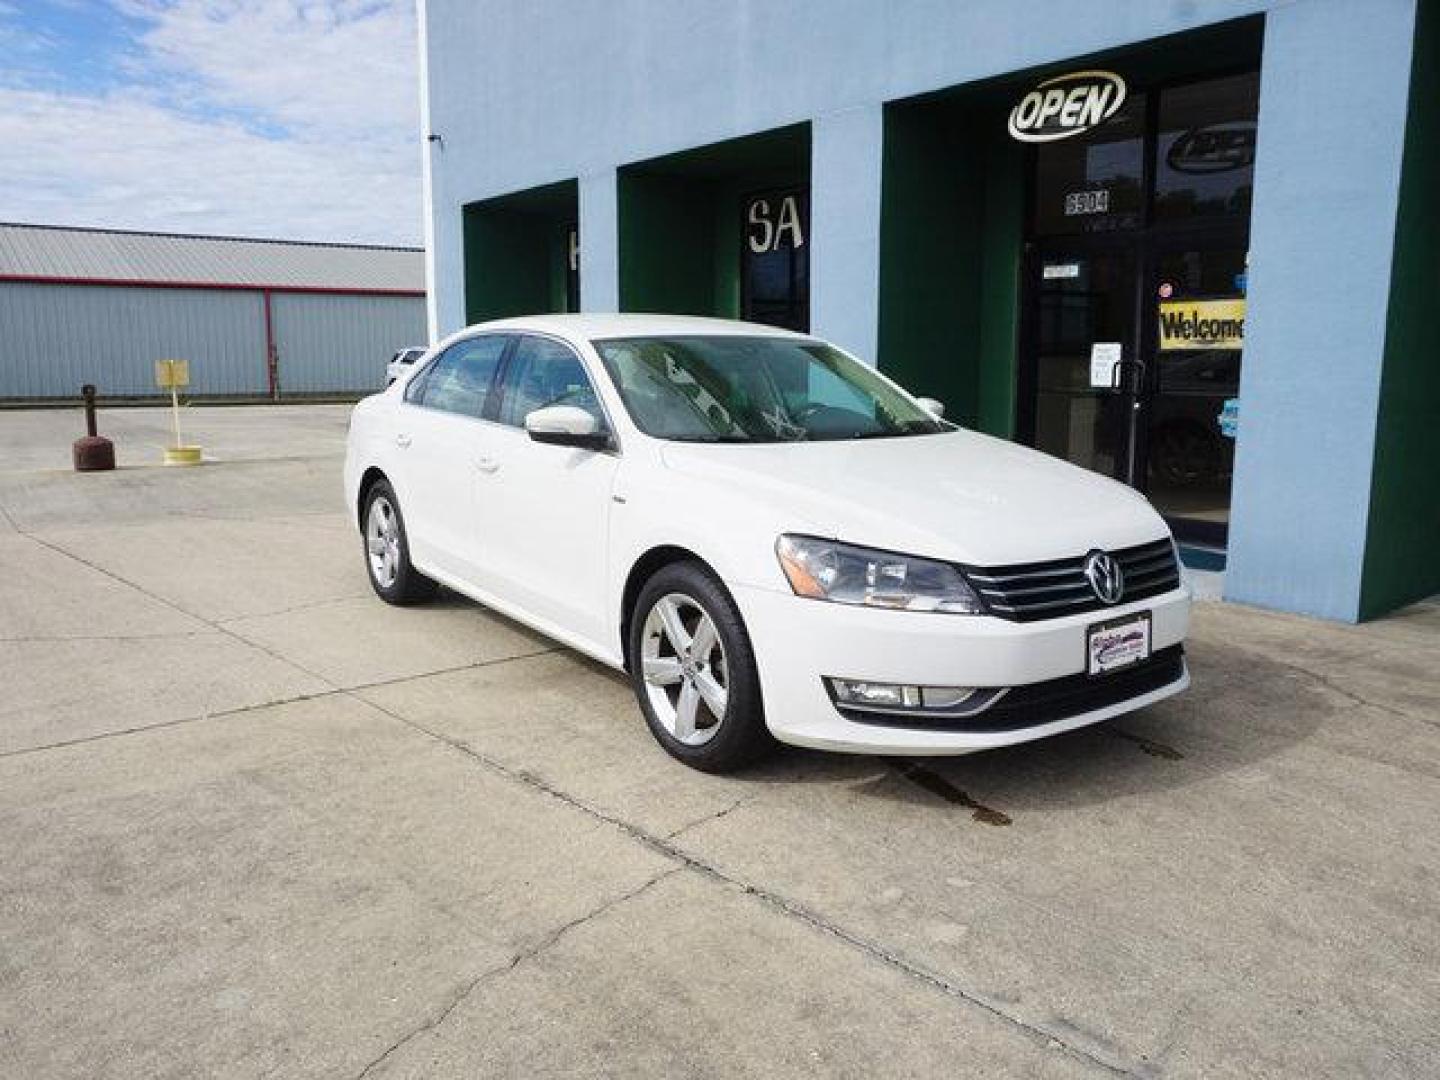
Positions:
{"x": 293, "y": 118}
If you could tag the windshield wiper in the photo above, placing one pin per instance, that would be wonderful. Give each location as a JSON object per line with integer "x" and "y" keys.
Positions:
{"x": 911, "y": 427}
{"x": 718, "y": 439}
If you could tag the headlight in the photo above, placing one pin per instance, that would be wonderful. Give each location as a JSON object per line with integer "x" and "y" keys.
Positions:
{"x": 844, "y": 574}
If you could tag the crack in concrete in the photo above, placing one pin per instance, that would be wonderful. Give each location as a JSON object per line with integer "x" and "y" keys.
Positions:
{"x": 706, "y": 819}
{"x": 60, "y": 639}
{"x": 221, "y": 628}
{"x": 524, "y": 955}
{"x": 1039, "y": 1033}
{"x": 309, "y": 605}
{"x": 1355, "y": 699}
{"x": 259, "y": 706}
{"x": 173, "y": 606}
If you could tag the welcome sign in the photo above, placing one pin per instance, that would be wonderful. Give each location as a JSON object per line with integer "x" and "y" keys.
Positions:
{"x": 1202, "y": 324}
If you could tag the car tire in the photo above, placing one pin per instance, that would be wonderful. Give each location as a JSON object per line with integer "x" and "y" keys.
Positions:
{"x": 392, "y": 575}
{"x": 683, "y": 679}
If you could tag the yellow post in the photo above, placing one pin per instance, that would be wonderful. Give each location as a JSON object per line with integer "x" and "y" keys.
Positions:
{"x": 171, "y": 375}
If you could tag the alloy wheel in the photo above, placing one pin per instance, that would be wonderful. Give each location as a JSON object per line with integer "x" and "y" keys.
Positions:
{"x": 683, "y": 664}
{"x": 382, "y": 541}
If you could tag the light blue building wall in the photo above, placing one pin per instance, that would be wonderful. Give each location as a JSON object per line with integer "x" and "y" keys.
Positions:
{"x": 1333, "y": 98}
{"x": 521, "y": 96}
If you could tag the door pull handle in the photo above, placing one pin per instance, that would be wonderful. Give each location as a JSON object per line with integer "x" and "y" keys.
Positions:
{"x": 402, "y": 441}
{"x": 487, "y": 465}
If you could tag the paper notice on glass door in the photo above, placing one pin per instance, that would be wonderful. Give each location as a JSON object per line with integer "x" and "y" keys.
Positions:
{"x": 1104, "y": 357}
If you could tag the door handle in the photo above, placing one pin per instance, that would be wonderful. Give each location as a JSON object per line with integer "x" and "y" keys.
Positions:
{"x": 402, "y": 441}
{"x": 486, "y": 464}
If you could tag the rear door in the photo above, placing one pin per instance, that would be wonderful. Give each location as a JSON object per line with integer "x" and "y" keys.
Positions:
{"x": 441, "y": 441}
{"x": 546, "y": 509}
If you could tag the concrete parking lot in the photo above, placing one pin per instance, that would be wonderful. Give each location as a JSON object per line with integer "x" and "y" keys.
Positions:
{"x": 253, "y": 822}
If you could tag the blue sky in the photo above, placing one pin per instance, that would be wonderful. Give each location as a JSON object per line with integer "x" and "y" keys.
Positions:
{"x": 66, "y": 46}
{"x": 292, "y": 118}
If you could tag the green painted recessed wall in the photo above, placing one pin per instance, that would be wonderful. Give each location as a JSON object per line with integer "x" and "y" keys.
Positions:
{"x": 951, "y": 238}
{"x": 517, "y": 252}
{"x": 1402, "y": 545}
{"x": 680, "y": 220}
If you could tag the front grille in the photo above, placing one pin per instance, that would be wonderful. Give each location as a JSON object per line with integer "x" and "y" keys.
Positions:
{"x": 1045, "y": 590}
{"x": 1054, "y": 699}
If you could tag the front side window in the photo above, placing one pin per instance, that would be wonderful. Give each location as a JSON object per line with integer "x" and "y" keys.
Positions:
{"x": 544, "y": 373}
{"x": 745, "y": 389}
{"x": 460, "y": 381}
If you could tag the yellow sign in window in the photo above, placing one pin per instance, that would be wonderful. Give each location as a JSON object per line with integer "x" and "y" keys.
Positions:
{"x": 1202, "y": 324}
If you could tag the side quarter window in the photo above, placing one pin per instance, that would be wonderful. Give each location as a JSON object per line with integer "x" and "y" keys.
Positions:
{"x": 542, "y": 373}
{"x": 416, "y": 386}
{"x": 462, "y": 378}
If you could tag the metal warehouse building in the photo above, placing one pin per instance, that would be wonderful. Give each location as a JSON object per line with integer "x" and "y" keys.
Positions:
{"x": 254, "y": 318}
{"x": 1190, "y": 245}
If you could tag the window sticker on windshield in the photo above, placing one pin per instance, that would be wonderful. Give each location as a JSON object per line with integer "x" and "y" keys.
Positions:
{"x": 782, "y": 425}
{"x": 701, "y": 398}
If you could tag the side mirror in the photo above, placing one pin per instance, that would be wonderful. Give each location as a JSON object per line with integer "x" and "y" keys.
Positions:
{"x": 933, "y": 407}
{"x": 565, "y": 425}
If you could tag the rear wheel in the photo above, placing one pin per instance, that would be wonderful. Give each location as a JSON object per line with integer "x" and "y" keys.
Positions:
{"x": 694, "y": 671}
{"x": 387, "y": 550}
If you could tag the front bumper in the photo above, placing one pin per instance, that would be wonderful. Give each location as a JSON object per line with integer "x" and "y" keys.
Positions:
{"x": 799, "y": 641}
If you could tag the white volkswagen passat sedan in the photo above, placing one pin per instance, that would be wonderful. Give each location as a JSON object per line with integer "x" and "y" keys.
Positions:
{"x": 772, "y": 539}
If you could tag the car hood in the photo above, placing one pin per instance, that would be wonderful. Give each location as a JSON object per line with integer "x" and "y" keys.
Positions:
{"x": 959, "y": 496}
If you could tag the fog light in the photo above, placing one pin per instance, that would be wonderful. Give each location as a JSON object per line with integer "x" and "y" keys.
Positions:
{"x": 937, "y": 702}
{"x": 893, "y": 695}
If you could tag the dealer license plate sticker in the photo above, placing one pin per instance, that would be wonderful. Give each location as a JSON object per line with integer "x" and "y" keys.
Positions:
{"x": 1117, "y": 644}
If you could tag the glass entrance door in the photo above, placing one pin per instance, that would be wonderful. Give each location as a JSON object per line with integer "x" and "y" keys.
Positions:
{"x": 1084, "y": 319}
{"x": 775, "y": 260}
{"x": 1138, "y": 232}
{"x": 1191, "y": 411}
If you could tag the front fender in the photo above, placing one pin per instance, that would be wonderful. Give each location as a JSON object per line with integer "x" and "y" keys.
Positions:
{"x": 657, "y": 507}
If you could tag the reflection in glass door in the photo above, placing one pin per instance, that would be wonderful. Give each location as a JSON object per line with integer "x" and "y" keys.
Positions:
{"x": 775, "y": 260}
{"x": 1192, "y": 412}
{"x": 1138, "y": 231}
{"x": 1083, "y": 300}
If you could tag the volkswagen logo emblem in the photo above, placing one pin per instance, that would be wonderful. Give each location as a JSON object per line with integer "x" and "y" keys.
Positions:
{"x": 1103, "y": 574}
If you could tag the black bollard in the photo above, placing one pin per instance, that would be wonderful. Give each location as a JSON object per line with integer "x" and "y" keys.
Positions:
{"x": 93, "y": 452}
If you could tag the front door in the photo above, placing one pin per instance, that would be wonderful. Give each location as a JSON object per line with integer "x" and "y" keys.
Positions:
{"x": 1085, "y": 347}
{"x": 1191, "y": 412}
{"x": 1137, "y": 367}
{"x": 1135, "y": 287}
{"x": 545, "y": 509}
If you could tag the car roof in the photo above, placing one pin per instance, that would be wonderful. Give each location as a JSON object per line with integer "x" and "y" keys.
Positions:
{"x": 601, "y": 325}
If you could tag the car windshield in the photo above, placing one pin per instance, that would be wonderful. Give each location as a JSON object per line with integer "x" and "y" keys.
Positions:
{"x": 756, "y": 389}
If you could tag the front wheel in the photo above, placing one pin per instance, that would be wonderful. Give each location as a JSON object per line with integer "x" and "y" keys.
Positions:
{"x": 694, "y": 671}
{"x": 387, "y": 550}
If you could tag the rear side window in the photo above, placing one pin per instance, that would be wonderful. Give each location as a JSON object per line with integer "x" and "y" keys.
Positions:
{"x": 461, "y": 379}
{"x": 543, "y": 373}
